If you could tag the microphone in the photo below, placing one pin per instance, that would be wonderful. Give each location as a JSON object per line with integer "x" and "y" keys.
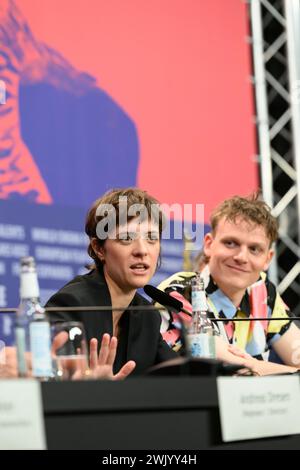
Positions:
{"x": 170, "y": 303}
{"x": 185, "y": 365}
{"x": 165, "y": 300}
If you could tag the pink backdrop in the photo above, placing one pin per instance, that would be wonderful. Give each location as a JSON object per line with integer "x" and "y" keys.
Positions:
{"x": 181, "y": 70}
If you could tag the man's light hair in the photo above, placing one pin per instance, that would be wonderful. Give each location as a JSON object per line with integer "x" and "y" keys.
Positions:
{"x": 251, "y": 209}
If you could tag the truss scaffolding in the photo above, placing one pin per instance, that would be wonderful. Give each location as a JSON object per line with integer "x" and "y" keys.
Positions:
{"x": 275, "y": 39}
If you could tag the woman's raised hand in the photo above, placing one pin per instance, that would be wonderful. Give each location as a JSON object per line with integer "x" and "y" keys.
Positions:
{"x": 101, "y": 366}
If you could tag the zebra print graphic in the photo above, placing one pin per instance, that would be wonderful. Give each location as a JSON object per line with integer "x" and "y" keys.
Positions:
{"x": 24, "y": 60}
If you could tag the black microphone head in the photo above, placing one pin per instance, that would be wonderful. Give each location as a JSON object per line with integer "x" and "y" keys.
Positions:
{"x": 171, "y": 304}
{"x": 163, "y": 299}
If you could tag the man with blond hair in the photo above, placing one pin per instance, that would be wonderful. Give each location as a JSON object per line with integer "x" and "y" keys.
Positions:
{"x": 236, "y": 255}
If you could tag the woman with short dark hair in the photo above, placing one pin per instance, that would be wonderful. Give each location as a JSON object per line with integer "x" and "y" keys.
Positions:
{"x": 124, "y": 228}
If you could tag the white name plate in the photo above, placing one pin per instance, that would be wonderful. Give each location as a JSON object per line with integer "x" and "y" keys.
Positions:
{"x": 21, "y": 415}
{"x": 256, "y": 407}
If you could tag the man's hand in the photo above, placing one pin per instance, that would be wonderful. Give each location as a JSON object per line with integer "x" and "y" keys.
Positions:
{"x": 238, "y": 352}
{"x": 230, "y": 354}
{"x": 102, "y": 366}
{"x": 263, "y": 368}
{"x": 234, "y": 355}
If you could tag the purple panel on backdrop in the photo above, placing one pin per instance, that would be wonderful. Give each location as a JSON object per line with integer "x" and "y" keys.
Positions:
{"x": 83, "y": 145}
{"x": 54, "y": 235}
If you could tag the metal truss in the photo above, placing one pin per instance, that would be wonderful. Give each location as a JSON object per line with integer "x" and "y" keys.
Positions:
{"x": 275, "y": 27}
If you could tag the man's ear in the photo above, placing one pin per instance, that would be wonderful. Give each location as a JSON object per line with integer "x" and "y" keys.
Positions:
{"x": 207, "y": 242}
{"x": 269, "y": 259}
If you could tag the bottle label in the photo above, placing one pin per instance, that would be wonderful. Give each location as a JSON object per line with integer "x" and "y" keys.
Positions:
{"x": 29, "y": 287}
{"x": 21, "y": 349}
{"x": 201, "y": 345}
{"x": 199, "y": 302}
{"x": 40, "y": 346}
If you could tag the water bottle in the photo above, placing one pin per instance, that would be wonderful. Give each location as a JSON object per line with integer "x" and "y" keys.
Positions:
{"x": 201, "y": 341}
{"x": 32, "y": 328}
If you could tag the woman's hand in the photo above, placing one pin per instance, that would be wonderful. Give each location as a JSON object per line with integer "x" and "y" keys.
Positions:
{"x": 9, "y": 369}
{"x": 102, "y": 366}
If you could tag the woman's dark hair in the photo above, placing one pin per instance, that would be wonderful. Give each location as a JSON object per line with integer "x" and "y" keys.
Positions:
{"x": 112, "y": 205}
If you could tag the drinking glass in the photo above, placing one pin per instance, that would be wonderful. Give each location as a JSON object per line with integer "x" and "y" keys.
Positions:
{"x": 69, "y": 351}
